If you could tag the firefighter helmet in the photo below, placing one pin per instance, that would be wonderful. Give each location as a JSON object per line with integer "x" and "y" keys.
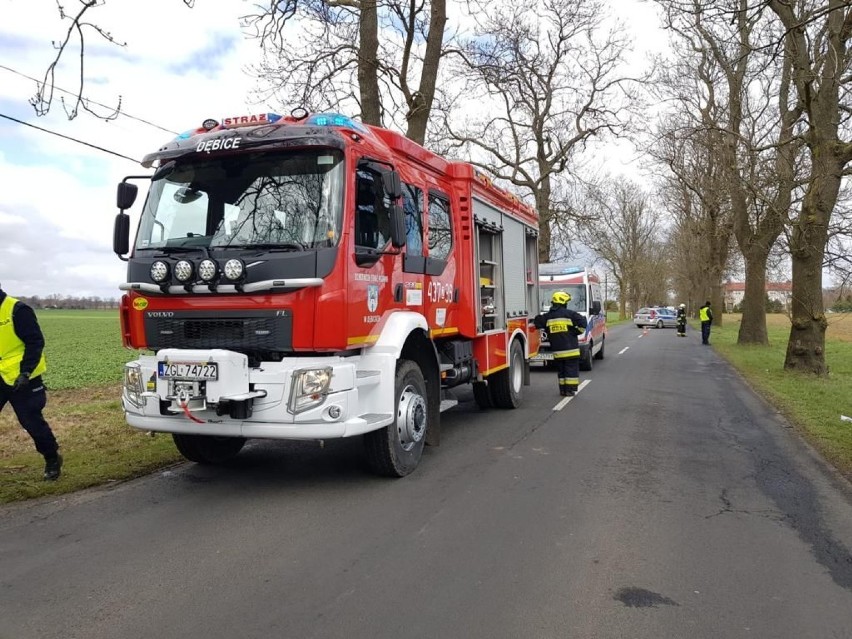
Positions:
{"x": 560, "y": 297}
{"x": 683, "y": 305}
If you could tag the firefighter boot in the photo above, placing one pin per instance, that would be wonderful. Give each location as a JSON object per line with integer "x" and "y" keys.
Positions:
{"x": 52, "y": 467}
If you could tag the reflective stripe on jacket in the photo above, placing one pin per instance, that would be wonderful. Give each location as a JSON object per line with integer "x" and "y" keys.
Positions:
{"x": 12, "y": 347}
{"x": 563, "y": 326}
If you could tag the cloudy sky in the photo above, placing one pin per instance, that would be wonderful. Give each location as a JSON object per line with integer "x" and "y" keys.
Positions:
{"x": 179, "y": 66}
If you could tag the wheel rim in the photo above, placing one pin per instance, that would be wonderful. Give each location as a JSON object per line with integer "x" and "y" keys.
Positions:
{"x": 410, "y": 418}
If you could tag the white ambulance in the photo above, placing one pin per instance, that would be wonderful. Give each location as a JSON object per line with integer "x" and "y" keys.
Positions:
{"x": 584, "y": 287}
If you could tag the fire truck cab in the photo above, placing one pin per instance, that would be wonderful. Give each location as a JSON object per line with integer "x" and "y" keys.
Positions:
{"x": 312, "y": 277}
{"x": 584, "y": 286}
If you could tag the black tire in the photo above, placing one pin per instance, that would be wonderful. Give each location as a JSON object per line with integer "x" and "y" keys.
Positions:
{"x": 506, "y": 385}
{"x": 600, "y": 353}
{"x": 206, "y": 449}
{"x": 396, "y": 449}
{"x": 660, "y": 324}
{"x": 482, "y": 396}
{"x": 586, "y": 358}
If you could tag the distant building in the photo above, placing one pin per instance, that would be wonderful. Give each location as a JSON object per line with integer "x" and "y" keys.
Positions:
{"x": 780, "y": 292}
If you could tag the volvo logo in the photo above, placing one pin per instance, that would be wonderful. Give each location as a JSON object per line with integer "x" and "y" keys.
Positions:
{"x": 160, "y": 314}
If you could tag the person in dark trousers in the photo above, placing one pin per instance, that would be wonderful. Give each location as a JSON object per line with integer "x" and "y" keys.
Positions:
{"x": 21, "y": 366}
{"x": 563, "y": 326}
{"x": 706, "y": 317}
{"x": 681, "y": 320}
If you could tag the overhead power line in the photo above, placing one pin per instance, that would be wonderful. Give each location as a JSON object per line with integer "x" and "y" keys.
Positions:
{"x": 124, "y": 113}
{"x": 94, "y": 146}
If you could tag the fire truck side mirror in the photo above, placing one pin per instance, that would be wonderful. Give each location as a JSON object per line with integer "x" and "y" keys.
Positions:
{"x": 397, "y": 225}
{"x": 121, "y": 234}
{"x": 126, "y": 195}
{"x": 392, "y": 184}
{"x": 596, "y": 307}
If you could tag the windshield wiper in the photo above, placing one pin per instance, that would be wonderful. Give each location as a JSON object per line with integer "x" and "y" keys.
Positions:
{"x": 178, "y": 249}
{"x": 268, "y": 246}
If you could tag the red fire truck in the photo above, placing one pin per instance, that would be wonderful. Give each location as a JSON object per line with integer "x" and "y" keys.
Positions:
{"x": 311, "y": 277}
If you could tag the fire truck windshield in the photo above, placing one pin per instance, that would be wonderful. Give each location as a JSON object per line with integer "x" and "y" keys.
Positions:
{"x": 289, "y": 201}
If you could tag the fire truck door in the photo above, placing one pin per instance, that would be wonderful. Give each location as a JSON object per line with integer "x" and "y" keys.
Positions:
{"x": 441, "y": 295}
{"x": 410, "y": 287}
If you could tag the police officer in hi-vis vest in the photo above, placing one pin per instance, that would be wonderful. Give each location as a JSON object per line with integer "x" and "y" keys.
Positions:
{"x": 21, "y": 367}
{"x": 563, "y": 326}
{"x": 705, "y": 314}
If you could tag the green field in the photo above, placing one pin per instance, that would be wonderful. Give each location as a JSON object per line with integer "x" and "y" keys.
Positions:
{"x": 83, "y": 348}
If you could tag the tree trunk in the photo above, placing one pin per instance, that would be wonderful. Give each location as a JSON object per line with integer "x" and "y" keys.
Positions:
{"x": 368, "y": 64}
{"x": 753, "y": 326}
{"x": 421, "y": 102}
{"x": 542, "y": 206}
{"x": 806, "y": 346}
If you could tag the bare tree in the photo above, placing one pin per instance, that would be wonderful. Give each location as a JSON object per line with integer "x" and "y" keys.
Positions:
{"x": 381, "y": 57}
{"x": 816, "y": 39}
{"x": 623, "y": 231}
{"x": 549, "y": 77}
{"x": 79, "y": 27}
{"x": 700, "y": 205}
{"x": 745, "y": 91}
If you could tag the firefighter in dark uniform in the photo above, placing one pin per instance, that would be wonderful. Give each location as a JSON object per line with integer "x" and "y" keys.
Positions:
{"x": 706, "y": 317}
{"x": 563, "y": 326}
{"x": 681, "y": 320}
{"x": 21, "y": 367}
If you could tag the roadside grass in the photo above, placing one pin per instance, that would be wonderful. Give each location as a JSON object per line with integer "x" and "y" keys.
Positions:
{"x": 812, "y": 405}
{"x": 612, "y": 318}
{"x": 85, "y": 362}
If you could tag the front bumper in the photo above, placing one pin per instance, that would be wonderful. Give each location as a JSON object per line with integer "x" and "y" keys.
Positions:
{"x": 357, "y": 400}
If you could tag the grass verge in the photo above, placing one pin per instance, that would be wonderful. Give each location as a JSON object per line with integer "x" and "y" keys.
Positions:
{"x": 97, "y": 445}
{"x": 813, "y": 405}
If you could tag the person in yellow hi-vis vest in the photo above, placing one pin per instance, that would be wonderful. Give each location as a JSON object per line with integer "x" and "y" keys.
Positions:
{"x": 563, "y": 325}
{"x": 21, "y": 367}
{"x": 705, "y": 314}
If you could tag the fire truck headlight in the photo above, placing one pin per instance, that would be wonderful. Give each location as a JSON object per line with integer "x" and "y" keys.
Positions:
{"x": 234, "y": 269}
{"x": 183, "y": 271}
{"x": 309, "y": 388}
{"x": 159, "y": 271}
{"x": 133, "y": 386}
{"x": 207, "y": 270}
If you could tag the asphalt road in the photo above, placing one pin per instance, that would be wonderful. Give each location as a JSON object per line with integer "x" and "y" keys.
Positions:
{"x": 664, "y": 500}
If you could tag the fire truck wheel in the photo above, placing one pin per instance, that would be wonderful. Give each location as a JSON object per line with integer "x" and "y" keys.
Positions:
{"x": 506, "y": 385}
{"x": 481, "y": 395}
{"x": 204, "y": 449}
{"x": 395, "y": 450}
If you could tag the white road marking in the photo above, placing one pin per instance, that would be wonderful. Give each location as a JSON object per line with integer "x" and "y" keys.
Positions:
{"x": 564, "y": 401}
{"x": 622, "y": 350}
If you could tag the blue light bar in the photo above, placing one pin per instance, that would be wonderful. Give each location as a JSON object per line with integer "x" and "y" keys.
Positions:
{"x": 559, "y": 269}
{"x": 335, "y": 119}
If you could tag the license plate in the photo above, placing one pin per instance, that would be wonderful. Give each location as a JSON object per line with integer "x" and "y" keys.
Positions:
{"x": 542, "y": 357}
{"x": 188, "y": 370}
